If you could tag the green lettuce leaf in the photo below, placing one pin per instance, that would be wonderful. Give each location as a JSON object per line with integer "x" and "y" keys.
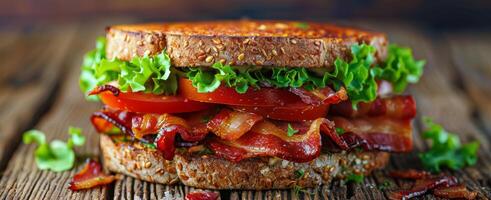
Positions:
{"x": 358, "y": 76}
{"x": 57, "y": 155}
{"x": 141, "y": 74}
{"x": 400, "y": 68}
{"x": 446, "y": 149}
{"x": 155, "y": 74}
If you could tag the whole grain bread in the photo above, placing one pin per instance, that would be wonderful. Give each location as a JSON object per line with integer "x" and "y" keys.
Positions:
{"x": 242, "y": 43}
{"x": 215, "y": 173}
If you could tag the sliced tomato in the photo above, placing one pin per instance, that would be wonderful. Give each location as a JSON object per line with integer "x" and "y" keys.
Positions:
{"x": 292, "y": 112}
{"x": 228, "y": 96}
{"x": 149, "y": 103}
{"x": 269, "y": 102}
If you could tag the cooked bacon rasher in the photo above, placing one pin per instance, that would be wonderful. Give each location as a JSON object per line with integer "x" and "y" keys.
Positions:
{"x": 239, "y": 135}
{"x": 90, "y": 176}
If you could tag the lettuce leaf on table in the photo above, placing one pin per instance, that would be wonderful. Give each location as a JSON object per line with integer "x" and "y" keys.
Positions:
{"x": 446, "y": 149}
{"x": 57, "y": 155}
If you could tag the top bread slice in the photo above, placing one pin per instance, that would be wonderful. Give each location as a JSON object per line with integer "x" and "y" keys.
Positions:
{"x": 242, "y": 43}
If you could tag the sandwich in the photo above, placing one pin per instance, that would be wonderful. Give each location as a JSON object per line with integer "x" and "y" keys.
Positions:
{"x": 249, "y": 104}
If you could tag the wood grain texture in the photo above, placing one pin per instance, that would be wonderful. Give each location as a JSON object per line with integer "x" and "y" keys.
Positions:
{"x": 470, "y": 55}
{"x": 454, "y": 91}
{"x": 22, "y": 179}
{"x": 30, "y": 70}
{"x": 439, "y": 96}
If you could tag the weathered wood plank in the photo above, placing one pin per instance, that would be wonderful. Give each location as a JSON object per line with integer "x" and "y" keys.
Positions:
{"x": 30, "y": 69}
{"x": 470, "y": 55}
{"x": 22, "y": 179}
{"x": 439, "y": 96}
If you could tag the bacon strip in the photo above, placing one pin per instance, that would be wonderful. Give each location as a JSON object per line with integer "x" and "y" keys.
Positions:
{"x": 231, "y": 125}
{"x": 320, "y": 96}
{"x": 422, "y": 186}
{"x": 105, "y": 120}
{"x": 455, "y": 192}
{"x": 90, "y": 176}
{"x": 202, "y": 195}
{"x": 245, "y": 135}
{"x": 376, "y": 133}
{"x": 268, "y": 139}
{"x": 104, "y": 88}
{"x": 410, "y": 174}
{"x": 396, "y": 107}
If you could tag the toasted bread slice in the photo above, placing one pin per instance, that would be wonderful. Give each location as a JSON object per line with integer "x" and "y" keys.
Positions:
{"x": 255, "y": 174}
{"x": 242, "y": 43}
{"x": 137, "y": 161}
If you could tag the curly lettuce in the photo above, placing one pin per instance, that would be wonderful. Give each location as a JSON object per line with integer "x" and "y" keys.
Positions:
{"x": 446, "y": 149}
{"x": 358, "y": 76}
{"x": 141, "y": 74}
{"x": 57, "y": 155}
{"x": 155, "y": 74}
{"x": 400, "y": 68}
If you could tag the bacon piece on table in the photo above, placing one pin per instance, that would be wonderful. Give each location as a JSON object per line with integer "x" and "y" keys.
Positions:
{"x": 90, "y": 176}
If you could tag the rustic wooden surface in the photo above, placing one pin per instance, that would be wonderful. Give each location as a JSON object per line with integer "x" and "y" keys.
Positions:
{"x": 39, "y": 68}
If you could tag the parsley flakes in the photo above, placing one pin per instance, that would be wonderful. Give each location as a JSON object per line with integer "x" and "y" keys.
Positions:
{"x": 291, "y": 131}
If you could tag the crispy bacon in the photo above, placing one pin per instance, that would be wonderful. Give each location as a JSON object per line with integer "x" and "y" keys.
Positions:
{"x": 104, "y": 88}
{"x": 269, "y": 139}
{"x": 245, "y": 135}
{"x": 396, "y": 107}
{"x": 139, "y": 125}
{"x": 106, "y": 119}
{"x": 422, "y": 186}
{"x": 376, "y": 133}
{"x": 230, "y": 125}
{"x": 202, "y": 195}
{"x": 410, "y": 174}
{"x": 455, "y": 192}
{"x": 320, "y": 96}
{"x": 90, "y": 176}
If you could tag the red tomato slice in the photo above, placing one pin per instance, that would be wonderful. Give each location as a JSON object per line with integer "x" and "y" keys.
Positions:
{"x": 269, "y": 102}
{"x": 292, "y": 112}
{"x": 148, "y": 103}
{"x": 228, "y": 96}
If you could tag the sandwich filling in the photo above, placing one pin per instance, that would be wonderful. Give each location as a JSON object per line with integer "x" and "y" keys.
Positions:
{"x": 237, "y": 113}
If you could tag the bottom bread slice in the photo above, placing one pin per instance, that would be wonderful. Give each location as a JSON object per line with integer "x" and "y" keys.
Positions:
{"x": 211, "y": 172}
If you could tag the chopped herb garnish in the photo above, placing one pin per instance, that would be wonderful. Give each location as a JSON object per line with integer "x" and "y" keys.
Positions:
{"x": 302, "y": 25}
{"x": 355, "y": 178}
{"x": 446, "y": 149}
{"x": 299, "y": 173}
{"x": 206, "y": 118}
{"x": 205, "y": 151}
{"x": 298, "y": 189}
{"x": 339, "y": 130}
{"x": 291, "y": 131}
{"x": 149, "y": 145}
{"x": 385, "y": 185}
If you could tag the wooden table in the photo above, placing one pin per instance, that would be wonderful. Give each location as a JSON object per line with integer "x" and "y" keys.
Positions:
{"x": 39, "y": 69}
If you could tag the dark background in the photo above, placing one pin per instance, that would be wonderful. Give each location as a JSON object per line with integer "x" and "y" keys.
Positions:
{"x": 435, "y": 14}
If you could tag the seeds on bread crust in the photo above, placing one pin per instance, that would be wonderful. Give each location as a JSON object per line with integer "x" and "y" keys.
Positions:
{"x": 241, "y": 43}
{"x": 215, "y": 173}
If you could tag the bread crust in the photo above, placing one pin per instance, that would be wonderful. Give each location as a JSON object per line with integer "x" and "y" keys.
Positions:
{"x": 137, "y": 161}
{"x": 241, "y": 43}
{"x": 209, "y": 172}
